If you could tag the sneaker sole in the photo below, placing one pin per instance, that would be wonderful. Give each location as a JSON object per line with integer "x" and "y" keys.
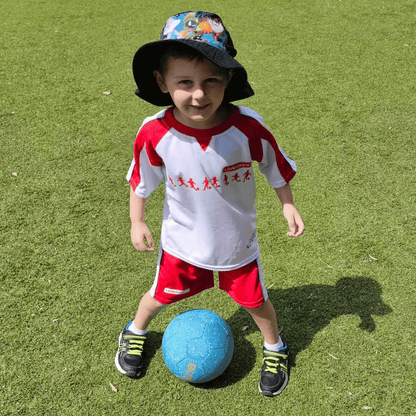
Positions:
{"x": 117, "y": 355}
{"x": 116, "y": 361}
{"x": 271, "y": 394}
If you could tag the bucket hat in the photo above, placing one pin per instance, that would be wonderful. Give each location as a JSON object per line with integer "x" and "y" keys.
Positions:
{"x": 203, "y": 32}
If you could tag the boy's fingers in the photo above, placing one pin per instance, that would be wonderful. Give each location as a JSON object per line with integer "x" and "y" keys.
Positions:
{"x": 292, "y": 228}
{"x": 292, "y": 233}
{"x": 142, "y": 239}
{"x": 296, "y": 227}
{"x": 143, "y": 248}
{"x": 301, "y": 226}
{"x": 145, "y": 245}
{"x": 150, "y": 242}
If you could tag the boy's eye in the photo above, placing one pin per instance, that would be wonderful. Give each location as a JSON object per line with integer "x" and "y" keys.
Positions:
{"x": 188, "y": 82}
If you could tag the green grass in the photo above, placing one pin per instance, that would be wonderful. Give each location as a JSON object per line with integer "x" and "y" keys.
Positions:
{"x": 334, "y": 81}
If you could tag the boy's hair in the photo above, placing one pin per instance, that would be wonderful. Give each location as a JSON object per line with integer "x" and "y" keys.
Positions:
{"x": 179, "y": 51}
{"x": 184, "y": 52}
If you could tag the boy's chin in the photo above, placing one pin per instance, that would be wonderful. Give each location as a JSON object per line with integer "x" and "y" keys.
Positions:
{"x": 200, "y": 118}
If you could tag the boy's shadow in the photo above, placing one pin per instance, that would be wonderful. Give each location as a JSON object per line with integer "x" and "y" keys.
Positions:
{"x": 302, "y": 312}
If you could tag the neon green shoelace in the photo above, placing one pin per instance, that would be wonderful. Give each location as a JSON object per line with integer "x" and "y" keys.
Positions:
{"x": 136, "y": 343}
{"x": 273, "y": 362}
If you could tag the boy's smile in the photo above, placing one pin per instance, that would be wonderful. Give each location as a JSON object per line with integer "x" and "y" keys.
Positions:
{"x": 197, "y": 90}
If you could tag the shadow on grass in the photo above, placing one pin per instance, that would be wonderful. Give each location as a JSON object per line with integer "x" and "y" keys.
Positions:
{"x": 241, "y": 364}
{"x": 301, "y": 313}
{"x": 153, "y": 343}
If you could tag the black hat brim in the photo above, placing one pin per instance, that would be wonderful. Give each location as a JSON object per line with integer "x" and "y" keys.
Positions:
{"x": 147, "y": 58}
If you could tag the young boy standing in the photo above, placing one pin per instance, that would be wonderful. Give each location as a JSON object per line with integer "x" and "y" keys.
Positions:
{"x": 202, "y": 147}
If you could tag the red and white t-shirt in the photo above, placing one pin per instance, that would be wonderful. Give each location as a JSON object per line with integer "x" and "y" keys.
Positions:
{"x": 209, "y": 215}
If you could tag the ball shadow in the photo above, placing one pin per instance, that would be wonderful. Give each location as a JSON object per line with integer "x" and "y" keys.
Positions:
{"x": 243, "y": 361}
{"x": 153, "y": 344}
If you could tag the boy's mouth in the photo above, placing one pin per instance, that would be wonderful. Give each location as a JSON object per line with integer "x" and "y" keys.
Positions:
{"x": 200, "y": 107}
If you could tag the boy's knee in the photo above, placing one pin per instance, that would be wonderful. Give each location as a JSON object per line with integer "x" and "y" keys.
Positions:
{"x": 265, "y": 306}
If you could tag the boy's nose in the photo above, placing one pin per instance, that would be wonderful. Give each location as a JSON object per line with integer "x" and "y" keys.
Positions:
{"x": 198, "y": 93}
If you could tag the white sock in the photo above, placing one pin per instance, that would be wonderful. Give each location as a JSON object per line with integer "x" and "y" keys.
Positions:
{"x": 274, "y": 347}
{"x": 135, "y": 330}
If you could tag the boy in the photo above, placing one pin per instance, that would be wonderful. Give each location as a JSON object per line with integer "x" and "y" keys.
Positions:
{"x": 202, "y": 147}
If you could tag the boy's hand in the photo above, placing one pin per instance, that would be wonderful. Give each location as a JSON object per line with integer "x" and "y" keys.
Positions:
{"x": 290, "y": 212}
{"x": 294, "y": 220}
{"x": 141, "y": 237}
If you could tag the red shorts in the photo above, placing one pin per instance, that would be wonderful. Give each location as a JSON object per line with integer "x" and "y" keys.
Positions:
{"x": 176, "y": 280}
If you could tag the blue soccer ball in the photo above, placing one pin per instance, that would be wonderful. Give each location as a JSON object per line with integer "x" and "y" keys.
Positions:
{"x": 197, "y": 345}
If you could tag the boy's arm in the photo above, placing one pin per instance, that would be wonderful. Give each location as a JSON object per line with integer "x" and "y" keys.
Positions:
{"x": 290, "y": 212}
{"x": 140, "y": 235}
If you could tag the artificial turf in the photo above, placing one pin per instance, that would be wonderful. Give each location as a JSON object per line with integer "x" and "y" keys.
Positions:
{"x": 334, "y": 81}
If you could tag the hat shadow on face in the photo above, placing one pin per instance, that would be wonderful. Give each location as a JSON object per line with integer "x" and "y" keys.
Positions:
{"x": 147, "y": 60}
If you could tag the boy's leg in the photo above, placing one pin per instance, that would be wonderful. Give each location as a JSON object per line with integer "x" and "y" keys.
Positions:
{"x": 265, "y": 318}
{"x": 175, "y": 280}
{"x": 129, "y": 357}
{"x": 148, "y": 309}
{"x": 245, "y": 285}
{"x": 274, "y": 373}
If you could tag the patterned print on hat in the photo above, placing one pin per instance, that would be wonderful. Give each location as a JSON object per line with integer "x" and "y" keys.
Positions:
{"x": 199, "y": 26}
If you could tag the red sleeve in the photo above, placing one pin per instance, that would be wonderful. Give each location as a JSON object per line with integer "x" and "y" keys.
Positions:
{"x": 145, "y": 154}
{"x": 255, "y": 133}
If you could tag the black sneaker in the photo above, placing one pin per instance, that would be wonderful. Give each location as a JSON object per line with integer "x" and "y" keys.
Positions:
{"x": 129, "y": 357}
{"x": 274, "y": 373}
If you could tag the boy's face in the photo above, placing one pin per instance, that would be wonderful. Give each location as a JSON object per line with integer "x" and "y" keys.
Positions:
{"x": 197, "y": 90}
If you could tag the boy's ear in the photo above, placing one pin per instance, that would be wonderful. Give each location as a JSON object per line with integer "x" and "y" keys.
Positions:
{"x": 160, "y": 81}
